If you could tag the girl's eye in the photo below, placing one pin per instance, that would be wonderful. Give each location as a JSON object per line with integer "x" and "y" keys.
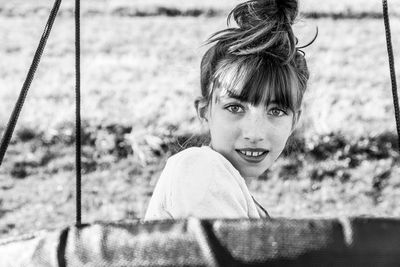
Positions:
{"x": 277, "y": 112}
{"x": 235, "y": 109}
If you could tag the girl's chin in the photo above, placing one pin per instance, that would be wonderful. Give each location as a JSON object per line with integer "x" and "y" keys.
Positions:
{"x": 247, "y": 174}
{"x": 252, "y": 170}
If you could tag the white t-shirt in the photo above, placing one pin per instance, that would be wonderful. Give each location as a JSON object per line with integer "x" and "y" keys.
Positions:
{"x": 200, "y": 182}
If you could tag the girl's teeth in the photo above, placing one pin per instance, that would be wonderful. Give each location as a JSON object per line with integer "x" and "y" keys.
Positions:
{"x": 251, "y": 154}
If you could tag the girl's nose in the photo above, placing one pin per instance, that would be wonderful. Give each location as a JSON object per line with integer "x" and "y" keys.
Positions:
{"x": 254, "y": 128}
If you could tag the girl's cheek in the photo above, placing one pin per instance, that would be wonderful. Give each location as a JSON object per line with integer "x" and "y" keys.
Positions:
{"x": 281, "y": 131}
{"x": 281, "y": 126}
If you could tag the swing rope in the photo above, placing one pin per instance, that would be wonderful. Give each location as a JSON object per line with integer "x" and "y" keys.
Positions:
{"x": 5, "y": 141}
{"x": 78, "y": 159}
{"x": 28, "y": 80}
{"x": 392, "y": 69}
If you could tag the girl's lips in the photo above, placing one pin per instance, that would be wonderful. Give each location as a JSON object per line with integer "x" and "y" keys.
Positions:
{"x": 253, "y": 159}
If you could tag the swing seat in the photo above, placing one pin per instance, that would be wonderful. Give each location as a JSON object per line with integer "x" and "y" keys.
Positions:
{"x": 193, "y": 242}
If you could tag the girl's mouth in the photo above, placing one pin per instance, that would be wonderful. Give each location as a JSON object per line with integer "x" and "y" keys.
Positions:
{"x": 253, "y": 155}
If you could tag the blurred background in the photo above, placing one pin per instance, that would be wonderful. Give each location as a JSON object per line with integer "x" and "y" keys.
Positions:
{"x": 140, "y": 74}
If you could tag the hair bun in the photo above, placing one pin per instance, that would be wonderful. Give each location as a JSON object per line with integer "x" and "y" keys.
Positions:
{"x": 265, "y": 26}
{"x": 288, "y": 8}
{"x": 251, "y": 13}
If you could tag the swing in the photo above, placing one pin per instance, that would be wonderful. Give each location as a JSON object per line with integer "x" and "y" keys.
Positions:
{"x": 192, "y": 242}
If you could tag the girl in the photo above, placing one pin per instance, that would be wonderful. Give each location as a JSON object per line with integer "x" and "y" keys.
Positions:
{"x": 252, "y": 82}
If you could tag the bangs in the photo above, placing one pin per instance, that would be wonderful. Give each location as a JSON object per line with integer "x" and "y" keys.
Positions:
{"x": 258, "y": 80}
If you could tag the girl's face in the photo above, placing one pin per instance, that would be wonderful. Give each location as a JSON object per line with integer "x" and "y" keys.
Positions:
{"x": 250, "y": 137}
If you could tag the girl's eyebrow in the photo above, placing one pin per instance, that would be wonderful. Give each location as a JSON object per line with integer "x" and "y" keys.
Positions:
{"x": 228, "y": 94}
{"x": 234, "y": 95}
{"x": 237, "y": 97}
{"x": 228, "y": 97}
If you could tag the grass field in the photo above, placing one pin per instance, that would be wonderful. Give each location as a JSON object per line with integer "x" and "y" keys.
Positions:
{"x": 139, "y": 77}
{"x": 208, "y": 7}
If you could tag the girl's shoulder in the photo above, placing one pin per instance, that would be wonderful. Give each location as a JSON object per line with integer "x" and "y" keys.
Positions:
{"x": 200, "y": 158}
{"x": 198, "y": 154}
{"x": 202, "y": 161}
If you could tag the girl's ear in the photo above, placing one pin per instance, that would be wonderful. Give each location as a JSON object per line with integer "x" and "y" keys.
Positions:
{"x": 296, "y": 119}
{"x": 201, "y": 108}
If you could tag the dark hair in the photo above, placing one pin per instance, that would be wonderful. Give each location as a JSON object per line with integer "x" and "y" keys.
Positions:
{"x": 260, "y": 56}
